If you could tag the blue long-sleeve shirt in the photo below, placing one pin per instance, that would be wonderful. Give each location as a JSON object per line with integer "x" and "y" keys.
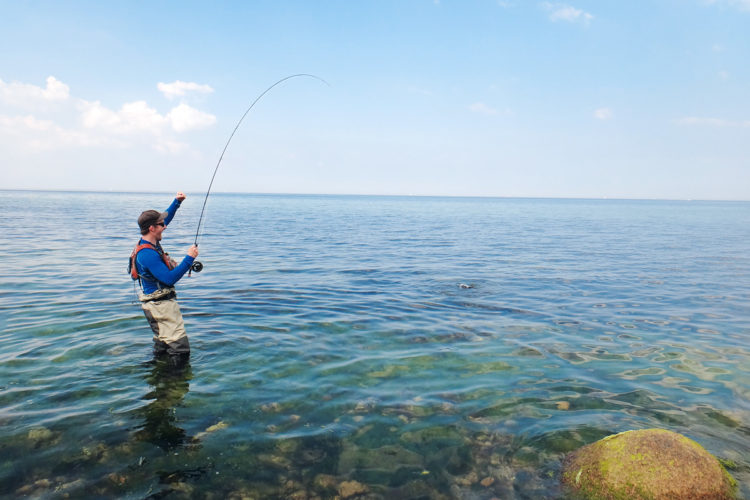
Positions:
{"x": 153, "y": 271}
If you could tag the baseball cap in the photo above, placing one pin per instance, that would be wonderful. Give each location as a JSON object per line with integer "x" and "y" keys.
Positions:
{"x": 149, "y": 218}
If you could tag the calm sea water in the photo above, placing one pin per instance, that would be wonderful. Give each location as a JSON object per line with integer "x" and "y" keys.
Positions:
{"x": 367, "y": 347}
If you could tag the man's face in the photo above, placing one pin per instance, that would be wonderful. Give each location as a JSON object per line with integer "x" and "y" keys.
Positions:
{"x": 157, "y": 229}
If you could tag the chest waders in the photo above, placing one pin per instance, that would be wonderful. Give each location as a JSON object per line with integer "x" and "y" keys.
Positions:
{"x": 161, "y": 308}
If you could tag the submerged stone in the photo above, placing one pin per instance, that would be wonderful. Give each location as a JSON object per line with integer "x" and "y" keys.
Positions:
{"x": 348, "y": 489}
{"x": 647, "y": 464}
{"x": 40, "y": 434}
{"x": 388, "y": 458}
{"x": 325, "y": 482}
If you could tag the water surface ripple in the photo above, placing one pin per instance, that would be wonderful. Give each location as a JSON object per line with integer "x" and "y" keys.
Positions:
{"x": 371, "y": 346}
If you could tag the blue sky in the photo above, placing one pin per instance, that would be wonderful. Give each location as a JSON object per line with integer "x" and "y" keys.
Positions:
{"x": 616, "y": 99}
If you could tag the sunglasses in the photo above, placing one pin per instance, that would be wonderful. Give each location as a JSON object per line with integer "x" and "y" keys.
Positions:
{"x": 160, "y": 224}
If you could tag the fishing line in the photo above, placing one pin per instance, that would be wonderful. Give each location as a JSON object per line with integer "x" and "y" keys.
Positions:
{"x": 197, "y": 266}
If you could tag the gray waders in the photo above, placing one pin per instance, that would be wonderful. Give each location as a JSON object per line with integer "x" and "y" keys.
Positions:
{"x": 163, "y": 314}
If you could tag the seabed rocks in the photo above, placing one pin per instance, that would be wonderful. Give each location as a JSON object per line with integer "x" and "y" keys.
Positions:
{"x": 647, "y": 464}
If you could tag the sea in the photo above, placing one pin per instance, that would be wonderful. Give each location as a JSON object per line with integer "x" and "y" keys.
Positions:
{"x": 366, "y": 346}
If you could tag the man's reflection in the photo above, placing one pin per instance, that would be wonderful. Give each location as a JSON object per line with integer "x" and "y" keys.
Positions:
{"x": 170, "y": 378}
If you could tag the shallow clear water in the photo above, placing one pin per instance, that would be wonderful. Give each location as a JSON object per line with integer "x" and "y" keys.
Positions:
{"x": 386, "y": 347}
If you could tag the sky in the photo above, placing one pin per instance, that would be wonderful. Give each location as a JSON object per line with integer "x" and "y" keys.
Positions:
{"x": 510, "y": 98}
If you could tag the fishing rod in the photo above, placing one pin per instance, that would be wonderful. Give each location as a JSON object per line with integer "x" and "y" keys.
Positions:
{"x": 197, "y": 266}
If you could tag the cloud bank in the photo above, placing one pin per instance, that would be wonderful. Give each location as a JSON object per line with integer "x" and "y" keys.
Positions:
{"x": 51, "y": 118}
{"x": 25, "y": 95}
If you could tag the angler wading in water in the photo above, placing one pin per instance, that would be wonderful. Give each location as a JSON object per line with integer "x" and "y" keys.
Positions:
{"x": 157, "y": 274}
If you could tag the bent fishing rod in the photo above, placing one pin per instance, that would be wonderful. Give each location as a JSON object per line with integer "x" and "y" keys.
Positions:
{"x": 197, "y": 266}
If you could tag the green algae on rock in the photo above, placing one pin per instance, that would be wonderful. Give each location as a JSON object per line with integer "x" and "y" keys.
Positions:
{"x": 646, "y": 464}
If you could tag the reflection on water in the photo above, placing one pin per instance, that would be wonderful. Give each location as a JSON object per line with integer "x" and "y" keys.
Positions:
{"x": 170, "y": 380}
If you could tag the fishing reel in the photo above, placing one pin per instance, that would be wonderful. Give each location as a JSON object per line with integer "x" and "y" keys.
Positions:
{"x": 196, "y": 267}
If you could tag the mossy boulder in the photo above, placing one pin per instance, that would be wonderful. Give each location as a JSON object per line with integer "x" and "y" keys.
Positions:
{"x": 646, "y": 464}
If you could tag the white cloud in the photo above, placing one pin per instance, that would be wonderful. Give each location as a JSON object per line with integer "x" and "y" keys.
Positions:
{"x": 44, "y": 134}
{"x": 482, "y": 108}
{"x": 138, "y": 117}
{"x": 132, "y": 118}
{"x": 603, "y": 113}
{"x": 563, "y": 12}
{"x": 713, "y": 122}
{"x": 26, "y": 95}
{"x": 28, "y": 122}
{"x": 184, "y": 118}
{"x": 180, "y": 89}
{"x": 76, "y": 122}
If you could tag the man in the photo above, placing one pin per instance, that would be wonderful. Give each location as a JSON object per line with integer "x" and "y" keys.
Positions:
{"x": 158, "y": 273}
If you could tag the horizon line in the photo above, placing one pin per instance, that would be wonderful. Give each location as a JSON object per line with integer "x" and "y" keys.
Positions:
{"x": 381, "y": 195}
